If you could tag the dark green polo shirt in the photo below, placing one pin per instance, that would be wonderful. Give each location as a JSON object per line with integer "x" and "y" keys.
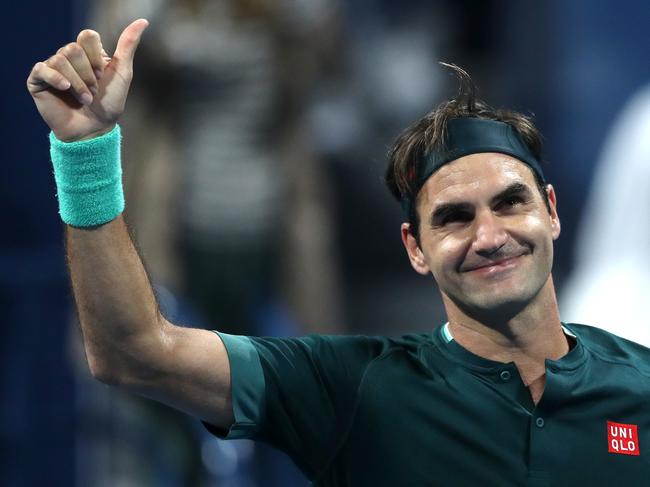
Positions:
{"x": 420, "y": 410}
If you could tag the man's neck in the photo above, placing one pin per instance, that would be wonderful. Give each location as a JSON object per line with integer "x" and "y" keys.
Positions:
{"x": 527, "y": 339}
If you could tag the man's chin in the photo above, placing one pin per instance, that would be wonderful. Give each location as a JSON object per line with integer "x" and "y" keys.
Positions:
{"x": 486, "y": 306}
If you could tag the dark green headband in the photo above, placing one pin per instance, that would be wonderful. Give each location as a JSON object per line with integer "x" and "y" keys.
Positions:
{"x": 470, "y": 135}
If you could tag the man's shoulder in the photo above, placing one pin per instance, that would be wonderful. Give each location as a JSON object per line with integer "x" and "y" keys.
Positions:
{"x": 611, "y": 347}
{"x": 381, "y": 343}
{"x": 340, "y": 348}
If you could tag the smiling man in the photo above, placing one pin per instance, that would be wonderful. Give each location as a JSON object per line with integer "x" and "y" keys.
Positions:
{"x": 482, "y": 222}
{"x": 503, "y": 394}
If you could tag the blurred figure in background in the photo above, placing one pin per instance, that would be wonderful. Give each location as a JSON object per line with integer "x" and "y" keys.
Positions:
{"x": 610, "y": 283}
{"x": 218, "y": 152}
{"x": 234, "y": 166}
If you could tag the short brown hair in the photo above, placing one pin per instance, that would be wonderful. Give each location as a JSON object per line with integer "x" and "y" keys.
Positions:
{"x": 428, "y": 134}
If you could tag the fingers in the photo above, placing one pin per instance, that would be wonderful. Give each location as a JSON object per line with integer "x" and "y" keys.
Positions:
{"x": 78, "y": 59}
{"x": 77, "y": 71}
{"x": 69, "y": 69}
{"x": 42, "y": 77}
{"x": 91, "y": 43}
{"x": 78, "y": 66}
{"x": 128, "y": 43}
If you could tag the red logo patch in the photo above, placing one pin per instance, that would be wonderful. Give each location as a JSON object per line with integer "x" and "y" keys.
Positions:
{"x": 622, "y": 438}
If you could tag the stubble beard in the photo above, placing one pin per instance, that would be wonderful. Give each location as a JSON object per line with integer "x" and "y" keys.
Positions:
{"x": 487, "y": 303}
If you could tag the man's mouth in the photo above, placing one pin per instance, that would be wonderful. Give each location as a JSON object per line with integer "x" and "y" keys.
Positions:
{"x": 496, "y": 266}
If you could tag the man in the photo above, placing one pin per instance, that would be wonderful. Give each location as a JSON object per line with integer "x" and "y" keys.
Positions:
{"x": 502, "y": 394}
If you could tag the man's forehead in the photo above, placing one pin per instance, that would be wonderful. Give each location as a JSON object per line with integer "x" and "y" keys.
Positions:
{"x": 474, "y": 176}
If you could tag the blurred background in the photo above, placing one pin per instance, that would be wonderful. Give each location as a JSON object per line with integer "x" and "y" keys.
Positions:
{"x": 254, "y": 147}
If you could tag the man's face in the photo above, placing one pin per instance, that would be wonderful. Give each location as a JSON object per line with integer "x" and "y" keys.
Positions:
{"x": 479, "y": 210}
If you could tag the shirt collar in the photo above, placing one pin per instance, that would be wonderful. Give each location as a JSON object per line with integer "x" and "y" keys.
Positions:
{"x": 444, "y": 341}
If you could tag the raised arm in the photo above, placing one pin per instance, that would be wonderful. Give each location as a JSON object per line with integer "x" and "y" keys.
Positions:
{"x": 80, "y": 92}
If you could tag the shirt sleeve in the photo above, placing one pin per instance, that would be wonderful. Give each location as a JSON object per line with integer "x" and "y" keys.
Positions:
{"x": 297, "y": 394}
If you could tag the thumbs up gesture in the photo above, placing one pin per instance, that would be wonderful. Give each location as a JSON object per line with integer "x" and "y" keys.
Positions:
{"x": 80, "y": 91}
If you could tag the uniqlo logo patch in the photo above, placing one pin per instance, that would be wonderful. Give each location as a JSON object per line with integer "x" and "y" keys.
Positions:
{"x": 622, "y": 438}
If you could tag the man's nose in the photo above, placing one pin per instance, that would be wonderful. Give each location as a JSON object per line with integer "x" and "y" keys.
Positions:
{"x": 490, "y": 234}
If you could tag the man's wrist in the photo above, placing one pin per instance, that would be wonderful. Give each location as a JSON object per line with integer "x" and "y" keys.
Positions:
{"x": 88, "y": 176}
{"x": 90, "y": 135}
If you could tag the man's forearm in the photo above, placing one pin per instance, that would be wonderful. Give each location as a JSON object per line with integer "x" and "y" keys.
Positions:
{"x": 81, "y": 92}
{"x": 117, "y": 308}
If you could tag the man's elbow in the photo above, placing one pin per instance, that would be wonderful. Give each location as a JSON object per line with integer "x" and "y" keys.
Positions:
{"x": 102, "y": 370}
{"x": 123, "y": 362}
{"x": 129, "y": 368}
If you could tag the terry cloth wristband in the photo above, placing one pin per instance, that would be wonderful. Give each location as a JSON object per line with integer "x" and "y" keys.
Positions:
{"x": 88, "y": 177}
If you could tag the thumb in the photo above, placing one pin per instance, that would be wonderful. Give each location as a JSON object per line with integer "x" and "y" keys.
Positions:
{"x": 128, "y": 43}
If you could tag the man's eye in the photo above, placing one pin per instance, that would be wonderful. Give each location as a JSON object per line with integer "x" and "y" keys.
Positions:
{"x": 456, "y": 217}
{"x": 513, "y": 200}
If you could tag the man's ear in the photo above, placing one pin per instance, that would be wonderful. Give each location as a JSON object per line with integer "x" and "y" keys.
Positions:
{"x": 555, "y": 219}
{"x": 413, "y": 250}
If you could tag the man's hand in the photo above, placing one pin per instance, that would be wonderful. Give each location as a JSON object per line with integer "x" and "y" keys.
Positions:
{"x": 80, "y": 91}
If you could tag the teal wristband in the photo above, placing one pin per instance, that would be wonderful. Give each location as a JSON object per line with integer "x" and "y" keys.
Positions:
{"x": 88, "y": 178}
